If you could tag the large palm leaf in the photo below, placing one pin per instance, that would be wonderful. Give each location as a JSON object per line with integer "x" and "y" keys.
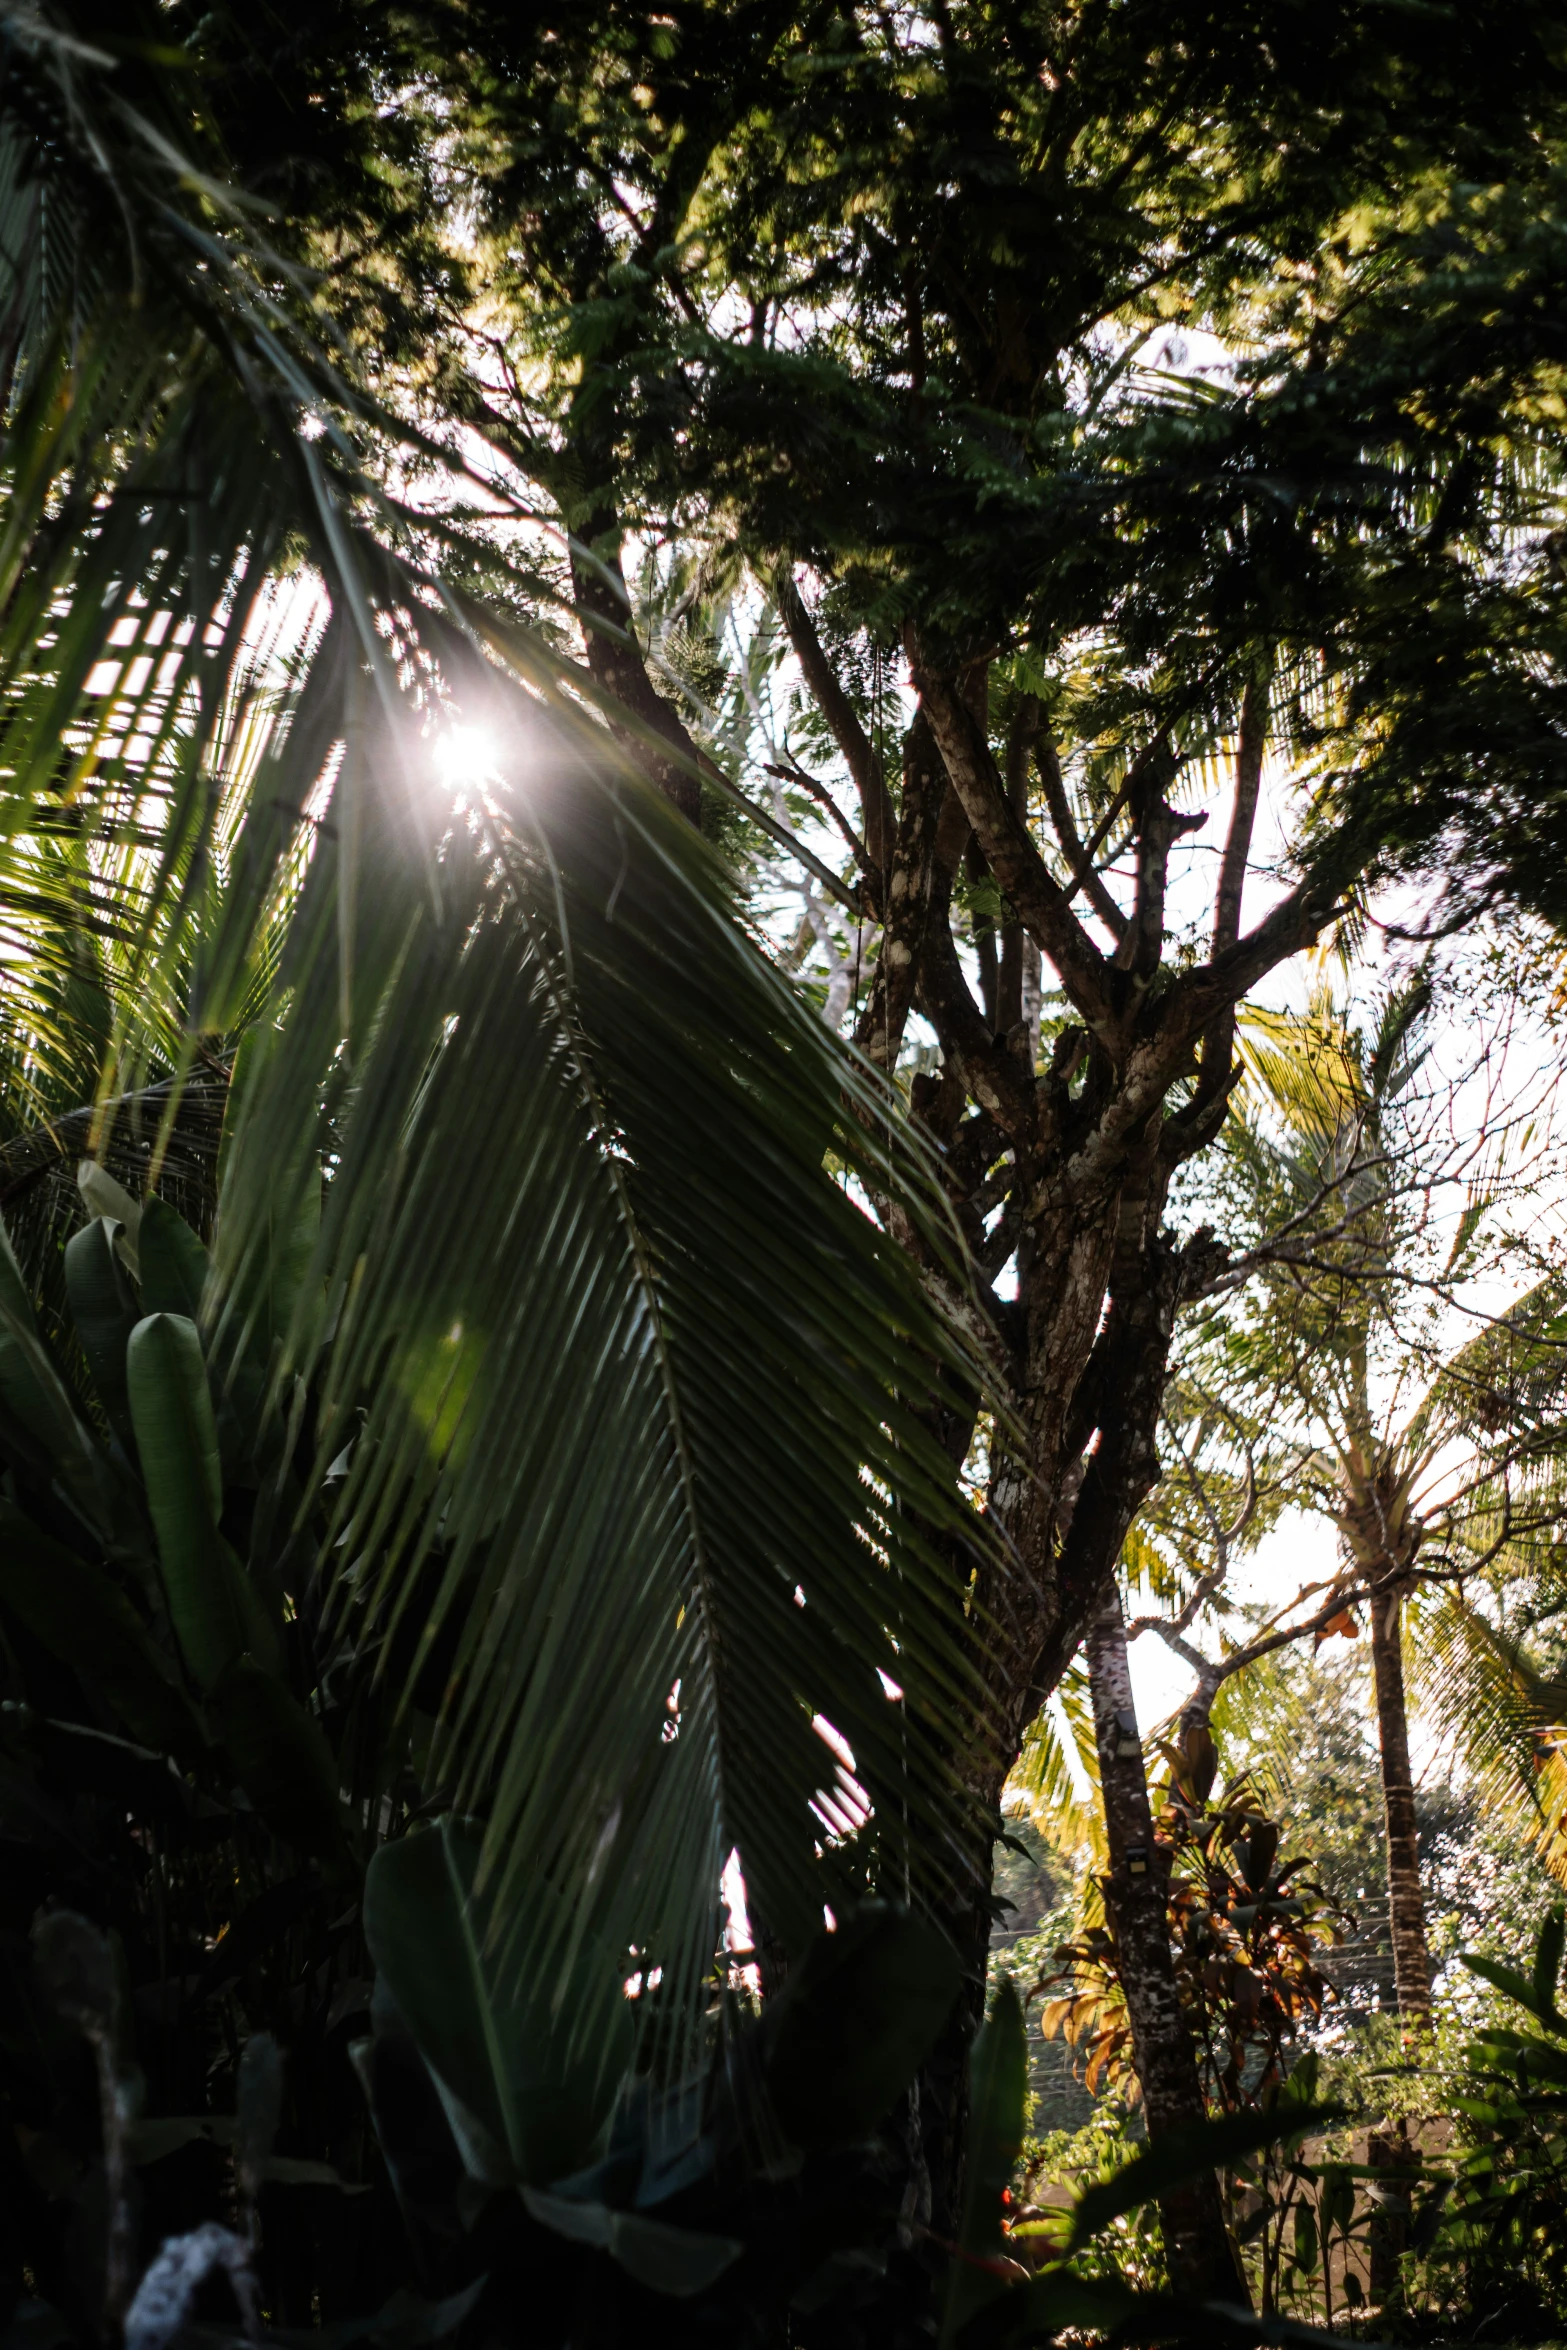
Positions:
{"x": 609, "y": 1344}
{"x": 1502, "y": 1706}
{"x": 627, "y": 1389}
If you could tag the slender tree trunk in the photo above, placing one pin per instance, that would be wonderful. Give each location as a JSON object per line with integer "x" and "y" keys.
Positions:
{"x": 1406, "y": 1902}
{"x": 1197, "y": 2244}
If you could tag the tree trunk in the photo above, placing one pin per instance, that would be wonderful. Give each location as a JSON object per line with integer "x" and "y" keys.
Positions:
{"x": 1406, "y": 1903}
{"x": 656, "y": 735}
{"x": 1197, "y": 2244}
{"x": 1083, "y": 1154}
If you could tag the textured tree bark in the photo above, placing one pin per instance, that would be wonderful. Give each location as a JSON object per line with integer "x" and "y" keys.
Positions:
{"x": 1066, "y": 1521}
{"x": 1197, "y": 2243}
{"x": 1406, "y": 1901}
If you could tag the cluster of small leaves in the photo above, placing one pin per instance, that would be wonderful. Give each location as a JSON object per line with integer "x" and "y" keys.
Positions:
{"x": 1247, "y": 1932}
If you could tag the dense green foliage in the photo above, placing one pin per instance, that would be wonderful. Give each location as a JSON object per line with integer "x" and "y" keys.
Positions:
{"x": 493, "y": 1441}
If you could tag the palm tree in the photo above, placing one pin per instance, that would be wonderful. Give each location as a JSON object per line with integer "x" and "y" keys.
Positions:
{"x": 1432, "y": 1462}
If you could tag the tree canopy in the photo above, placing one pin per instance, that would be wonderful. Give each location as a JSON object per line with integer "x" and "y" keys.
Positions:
{"x": 949, "y": 455}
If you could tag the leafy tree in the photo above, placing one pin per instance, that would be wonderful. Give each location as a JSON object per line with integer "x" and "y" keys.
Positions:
{"x": 863, "y": 301}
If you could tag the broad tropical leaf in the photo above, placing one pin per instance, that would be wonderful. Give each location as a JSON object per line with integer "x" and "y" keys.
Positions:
{"x": 625, "y": 1381}
{"x": 628, "y": 1392}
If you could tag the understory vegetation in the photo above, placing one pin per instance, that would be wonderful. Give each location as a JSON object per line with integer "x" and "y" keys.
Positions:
{"x": 783, "y": 1239}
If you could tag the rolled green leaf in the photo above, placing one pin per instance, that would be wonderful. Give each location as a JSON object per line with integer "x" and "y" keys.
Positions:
{"x": 177, "y": 1439}
{"x": 105, "y": 1312}
{"x": 174, "y": 1265}
{"x": 286, "y": 1224}
{"x": 33, "y": 1391}
{"x": 106, "y": 1198}
{"x": 537, "y": 2072}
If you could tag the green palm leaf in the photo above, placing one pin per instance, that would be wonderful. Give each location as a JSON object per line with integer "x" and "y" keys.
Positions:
{"x": 628, "y": 1382}
{"x": 633, "y": 1397}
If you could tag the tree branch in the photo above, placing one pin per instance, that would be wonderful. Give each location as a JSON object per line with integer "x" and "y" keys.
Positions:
{"x": 660, "y": 743}
{"x": 795, "y": 773}
{"x": 917, "y": 853}
{"x": 1159, "y": 827}
{"x": 854, "y": 744}
{"x": 1250, "y": 751}
{"x": 1079, "y": 858}
{"x": 1022, "y": 736}
{"x": 994, "y": 1076}
{"x": 1198, "y": 997}
{"x": 1213, "y": 1673}
{"x": 1219, "y": 1041}
{"x": 1040, "y": 901}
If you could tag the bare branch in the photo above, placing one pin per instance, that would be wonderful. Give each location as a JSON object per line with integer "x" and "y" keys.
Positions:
{"x": 1250, "y": 751}
{"x": 1017, "y": 864}
{"x": 1022, "y": 737}
{"x": 1159, "y": 827}
{"x": 795, "y": 773}
{"x": 854, "y": 744}
{"x": 1213, "y": 1672}
{"x": 1079, "y": 858}
{"x": 1198, "y": 997}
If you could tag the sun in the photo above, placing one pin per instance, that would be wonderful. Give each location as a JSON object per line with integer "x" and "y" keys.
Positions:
{"x": 464, "y": 754}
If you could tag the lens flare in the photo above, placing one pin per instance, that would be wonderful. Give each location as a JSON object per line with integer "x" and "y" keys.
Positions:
{"x": 464, "y": 755}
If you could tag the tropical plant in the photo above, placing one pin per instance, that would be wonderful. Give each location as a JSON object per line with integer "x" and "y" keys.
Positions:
{"x": 547, "y": 1407}
{"x": 1502, "y": 2224}
{"x": 458, "y": 1385}
{"x": 1247, "y": 1932}
{"x": 862, "y": 302}
{"x": 546, "y": 2189}
{"x": 754, "y": 2182}
{"x": 479, "y": 2085}
{"x": 193, "y": 1755}
{"x": 875, "y": 306}
{"x": 1436, "y": 1463}
{"x": 224, "y": 1699}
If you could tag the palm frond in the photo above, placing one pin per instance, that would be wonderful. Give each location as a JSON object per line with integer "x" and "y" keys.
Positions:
{"x": 1505, "y": 1714}
{"x": 1044, "y": 1782}
{"x": 1307, "y": 1069}
{"x": 629, "y": 1385}
{"x": 1511, "y": 1375}
{"x": 633, "y": 1396}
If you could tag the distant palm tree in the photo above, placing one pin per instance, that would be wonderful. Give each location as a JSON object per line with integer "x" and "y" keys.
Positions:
{"x": 1437, "y": 1465}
